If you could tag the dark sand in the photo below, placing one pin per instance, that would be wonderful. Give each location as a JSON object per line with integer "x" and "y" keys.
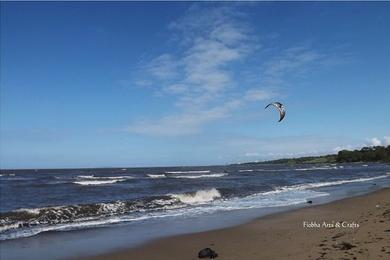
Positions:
{"x": 282, "y": 236}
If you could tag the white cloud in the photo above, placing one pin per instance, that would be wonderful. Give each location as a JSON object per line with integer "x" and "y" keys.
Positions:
{"x": 291, "y": 60}
{"x": 183, "y": 124}
{"x": 201, "y": 73}
{"x": 386, "y": 140}
{"x": 258, "y": 94}
{"x": 162, "y": 67}
{"x": 209, "y": 41}
{"x": 252, "y": 154}
{"x": 376, "y": 141}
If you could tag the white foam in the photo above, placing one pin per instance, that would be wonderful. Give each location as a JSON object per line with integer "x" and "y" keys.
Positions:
{"x": 111, "y": 207}
{"x": 116, "y": 177}
{"x": 85, "y": 176}
{"x": 9, "y": 226}
{"x": 273, "y": 170}
{"x": 155, "y": 176}
{"x": 81, "y": 224}
{"x": 323, "y": 184}
{"x": 215, "y": 175}
{"x": 316, "y": 168}
{"x": 96, "y": 182}
{"x": 268, "y": 199}
{"x": 16, "y": 178}
{"x": 299, "y": 169}
{"x": 203, "y": 202}
{"x": 198, "y": 197}
{"x": 174, "y": 172}
{"x": 34, "y": 211}
{"x": 166, "y": 202}
{"x": 104, "y": 177}
{"x": 245, "y": 170}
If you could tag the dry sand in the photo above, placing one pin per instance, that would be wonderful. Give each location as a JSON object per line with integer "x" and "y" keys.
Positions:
{"x": 283, "y": 236}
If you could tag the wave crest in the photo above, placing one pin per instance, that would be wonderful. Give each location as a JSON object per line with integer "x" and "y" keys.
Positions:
{"x": 155, "y": 176}
{"x": 93, "y": 177}
{"x": 96, "y": 182}
{"x": 175, "y": 172}
{"x": 215, "y": 175}
{"x": 200, "y": 196}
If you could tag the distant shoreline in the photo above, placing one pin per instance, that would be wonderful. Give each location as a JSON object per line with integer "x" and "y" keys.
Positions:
{"x": 379, "y": 154}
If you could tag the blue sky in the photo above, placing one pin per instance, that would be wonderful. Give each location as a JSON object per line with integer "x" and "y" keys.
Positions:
{"x": 152, "y": 84}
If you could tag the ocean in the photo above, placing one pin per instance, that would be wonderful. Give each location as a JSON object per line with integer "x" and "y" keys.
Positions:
{"x": 35, "y": 202}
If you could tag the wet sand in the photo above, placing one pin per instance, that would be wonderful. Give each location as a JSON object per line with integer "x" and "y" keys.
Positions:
{"x": 364, "y": 234}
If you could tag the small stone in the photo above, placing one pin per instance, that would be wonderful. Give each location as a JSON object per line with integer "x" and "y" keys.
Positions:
{"x": 207, "y": 253}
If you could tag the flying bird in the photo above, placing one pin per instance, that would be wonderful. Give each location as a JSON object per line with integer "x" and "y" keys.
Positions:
{"x": 280, "y": 107}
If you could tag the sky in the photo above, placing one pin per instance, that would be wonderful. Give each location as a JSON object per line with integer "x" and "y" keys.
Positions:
{"x": 134, "y": 84}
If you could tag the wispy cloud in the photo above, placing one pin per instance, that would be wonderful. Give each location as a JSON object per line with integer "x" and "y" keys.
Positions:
{"x": 186, "y": 123}
{"x": 163, "y": 67}
{"x": 252, "y": 154}
{"x": 210, "y": 41}
{"x": 207, "y": 74}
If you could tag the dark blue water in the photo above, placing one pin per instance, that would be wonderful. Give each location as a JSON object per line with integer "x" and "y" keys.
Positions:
{"x": 36, "y": 201}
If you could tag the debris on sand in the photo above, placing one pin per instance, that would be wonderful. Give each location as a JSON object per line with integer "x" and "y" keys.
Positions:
{"x": 207, "y": 253}
{"x": 344, "y": 246}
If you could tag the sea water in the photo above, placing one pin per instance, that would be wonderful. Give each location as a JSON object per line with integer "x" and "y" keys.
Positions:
{"x": 80, "y": 208}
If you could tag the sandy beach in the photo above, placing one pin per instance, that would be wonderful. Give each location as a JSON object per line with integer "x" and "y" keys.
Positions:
{"x": 353, "y": 228}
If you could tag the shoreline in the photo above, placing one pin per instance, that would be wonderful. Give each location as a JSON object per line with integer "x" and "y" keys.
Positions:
{"x": 304, "y": 233}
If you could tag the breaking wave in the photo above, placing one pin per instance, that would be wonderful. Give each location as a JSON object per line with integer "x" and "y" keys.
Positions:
{"x": 215, "y": 175}
{"x": 10, "y": 174}
{"x": 103, "y": 182}
{"x": 99, "y": 180}
{"x": 298, "y": 169}
{"x": 198, "y": 197}
{"x": 93, "y": 177}
{"x": 272, "y": 170}
{"x": 317, "y": 168}
{"x": 28, "y": 222}
{"x": 91, "y": 214}
{"x": 74, "y": 214}
{"x": 156, "y": 176}
{"x": 175, "y": 172}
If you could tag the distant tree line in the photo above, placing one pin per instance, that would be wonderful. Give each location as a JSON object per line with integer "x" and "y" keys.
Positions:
{"x": 366, "y": 154}
{"x": 331, "y": 158}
